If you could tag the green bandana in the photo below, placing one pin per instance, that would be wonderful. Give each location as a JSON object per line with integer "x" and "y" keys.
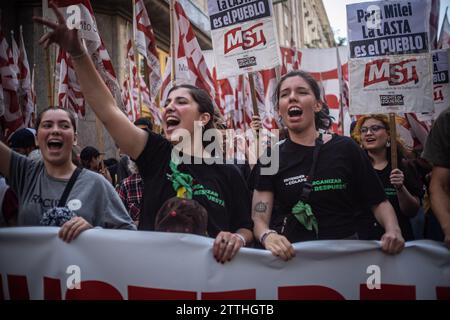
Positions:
{"x": 181, "y": 182}
{"x": 303, "y": 212}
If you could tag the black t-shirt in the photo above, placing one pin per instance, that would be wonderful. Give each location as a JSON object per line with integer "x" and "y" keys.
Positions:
{"x": 219, "y": 188}
{"x": 370, "y": 229}
{"x": 343, "y": 183}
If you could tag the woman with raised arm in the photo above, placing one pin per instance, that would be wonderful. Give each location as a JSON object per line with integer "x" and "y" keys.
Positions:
{"x": 218, "y": 188}
{"x": 322, "y": 181}
{"x": 40, "y": 186}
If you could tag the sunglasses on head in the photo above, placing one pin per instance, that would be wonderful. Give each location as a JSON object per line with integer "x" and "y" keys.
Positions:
{"x": 373, "y": 128}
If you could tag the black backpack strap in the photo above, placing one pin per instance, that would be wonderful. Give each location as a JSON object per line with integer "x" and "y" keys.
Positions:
{"x": 307, "y": 186}
{"x": 68, "y": 188}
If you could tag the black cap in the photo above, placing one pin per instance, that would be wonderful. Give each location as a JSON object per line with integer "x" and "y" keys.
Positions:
{"x": 22, "y": 138}
{"x": 88, "y": 153}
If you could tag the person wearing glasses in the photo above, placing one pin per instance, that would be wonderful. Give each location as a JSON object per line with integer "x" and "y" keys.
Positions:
{"x": 401, "y": 185}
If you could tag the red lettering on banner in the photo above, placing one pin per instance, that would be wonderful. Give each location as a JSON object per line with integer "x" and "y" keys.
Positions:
{"x": 249, "y": 294}
{"x": 18, "y": 287}
{"x": 332, "y": 101}
{"x": 438, "y": 95}
{"x": 143, "y": 293}
{"x": 52, "y": 289}
{"x": 246, "y": 39}
{"x": 443, "y": 293}
{"x": 308, "y": 293}
{"x": 395, "y": 73}
{"x": 94, "y": 290}
{"x": 388, "y": 292}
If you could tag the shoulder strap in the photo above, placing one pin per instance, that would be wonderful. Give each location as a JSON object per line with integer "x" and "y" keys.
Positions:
{"x": 307, "y": 187}
{"x": 68, "y": 188}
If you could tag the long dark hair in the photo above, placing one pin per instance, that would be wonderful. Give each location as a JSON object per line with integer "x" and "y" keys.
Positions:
{"x": 322, "y": 119}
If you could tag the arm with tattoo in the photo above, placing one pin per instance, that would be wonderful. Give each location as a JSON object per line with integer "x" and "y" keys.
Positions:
{"x": 261, "y": 211}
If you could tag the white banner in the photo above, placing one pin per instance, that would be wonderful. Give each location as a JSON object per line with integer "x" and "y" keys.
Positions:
{"x": 388, "y": 28}
{"x": 119, "y": 264}
{"x": 243, "y": 36}
{"x": 391, "y": 84}
{"x": 441, "y": 83}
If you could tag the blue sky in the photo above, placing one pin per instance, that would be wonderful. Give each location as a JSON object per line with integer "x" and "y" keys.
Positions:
{"x": 338, "y": 17}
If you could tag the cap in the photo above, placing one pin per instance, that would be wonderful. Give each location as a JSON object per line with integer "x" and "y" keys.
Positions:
{"x": 22, "y": 138}
{"x": 88, "y": 153}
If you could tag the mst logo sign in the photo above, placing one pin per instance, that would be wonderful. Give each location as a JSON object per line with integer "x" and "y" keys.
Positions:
{"x": 394, "y": 73}
{"x": 246, "y": 39}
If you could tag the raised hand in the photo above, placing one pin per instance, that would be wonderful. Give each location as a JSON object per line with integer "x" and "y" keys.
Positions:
{"x": 60, "y": 34}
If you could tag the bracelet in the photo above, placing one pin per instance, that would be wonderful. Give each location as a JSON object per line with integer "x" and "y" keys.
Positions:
{"x": 264, "y": 236}
{"x": 241, "y": 237}
{"x": 78, "y": 56}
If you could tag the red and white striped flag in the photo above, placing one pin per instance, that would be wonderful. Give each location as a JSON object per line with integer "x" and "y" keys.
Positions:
{"x": 132, "y": 91}
{"x": 191, "y": 65}
{"x": 146, "y": 46}
{"x": 95, "y": 48}
{"x": 69, "y": 91}
{"x": 26, "y": 100}
{"x": 12, "y": 118}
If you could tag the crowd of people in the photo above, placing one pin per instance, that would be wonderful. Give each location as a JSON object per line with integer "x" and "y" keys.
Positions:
{"x": 326, "y": 187}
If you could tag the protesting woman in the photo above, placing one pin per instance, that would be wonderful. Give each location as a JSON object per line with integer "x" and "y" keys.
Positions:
{"x": 218, "y": 188}
{"x": 401, "y": 185}
{"x": 322, "y": 180}
{"x": 40, "y": 186}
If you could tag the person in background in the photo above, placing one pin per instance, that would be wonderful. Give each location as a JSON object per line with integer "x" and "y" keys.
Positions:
{"x": 23, "y": 141}
{"x": 402, "y": 185}
{"x": 182, "y": 216}
{"x": 91, "y": 159}
{"x": 130, "y": 191}
{"x": 437, "y": 152}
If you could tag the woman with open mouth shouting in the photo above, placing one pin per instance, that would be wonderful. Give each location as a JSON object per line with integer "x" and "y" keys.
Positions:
{"x": 401, "y": 185}
{"x": 54, "y": 192}
{"x": 168, "y": 170}
{"x": 322, "y": 179}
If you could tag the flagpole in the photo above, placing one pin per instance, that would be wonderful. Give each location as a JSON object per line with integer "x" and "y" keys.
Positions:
{"x": 393, "y": 134}
{"x": 340, "y": 80}
{"x": 49, "y": 78}
{"x": 172, "y": 43}
{"x": 136, "y": 59}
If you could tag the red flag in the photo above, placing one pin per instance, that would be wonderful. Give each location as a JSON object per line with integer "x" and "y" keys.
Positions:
{"x": 95, "y": 48}
{"x": 69, "y": 91}
{"x": 146, "y": 45}
{"x": 25, "y": 95}
{"x": 12, "y": 118}
{"x": 135, "y": 85}
{"x": 191, "y": 65}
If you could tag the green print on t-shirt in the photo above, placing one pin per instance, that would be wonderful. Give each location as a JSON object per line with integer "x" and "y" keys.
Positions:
{"x": 329, "y": 184}
{"x": 390, "y": 192}
{"x": 199, "y": 190}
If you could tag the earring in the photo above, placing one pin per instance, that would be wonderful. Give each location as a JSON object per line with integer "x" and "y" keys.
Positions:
{"x": 388, "y": 144}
